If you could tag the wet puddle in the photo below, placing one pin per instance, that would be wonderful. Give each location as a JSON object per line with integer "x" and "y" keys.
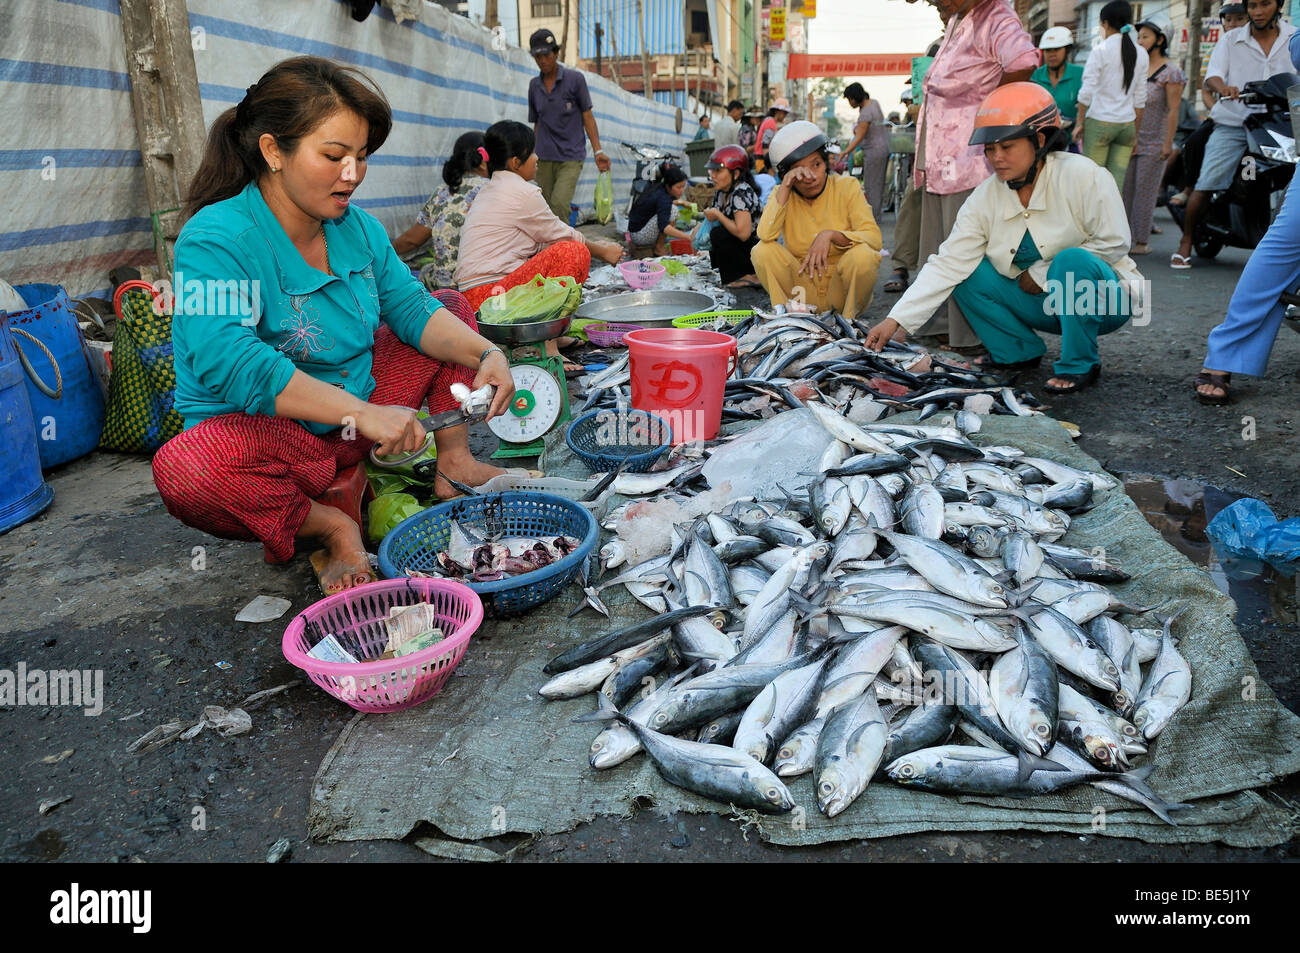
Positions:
{"x": 1180, "y": 510}
{"x": 46, "y": 845}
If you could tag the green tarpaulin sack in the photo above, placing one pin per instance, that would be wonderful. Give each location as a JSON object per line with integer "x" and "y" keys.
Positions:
{"x": 604, "y": 198}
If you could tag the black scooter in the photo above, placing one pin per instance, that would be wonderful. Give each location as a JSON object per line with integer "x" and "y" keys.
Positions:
{"x": 1240, "y": 215}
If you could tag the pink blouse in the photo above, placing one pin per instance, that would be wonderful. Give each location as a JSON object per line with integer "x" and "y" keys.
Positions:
{"x": 985, "y": 43}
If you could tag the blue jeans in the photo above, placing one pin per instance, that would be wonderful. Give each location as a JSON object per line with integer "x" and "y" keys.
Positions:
{"x": 1242, "y": 343}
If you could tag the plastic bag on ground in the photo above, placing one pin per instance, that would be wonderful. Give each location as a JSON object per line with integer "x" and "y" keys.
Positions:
{"x": 781, "y": 453}
{"x": 1248, "y": 529}
{"x": 604, "y": 198}
{"x": 389, "y": 509}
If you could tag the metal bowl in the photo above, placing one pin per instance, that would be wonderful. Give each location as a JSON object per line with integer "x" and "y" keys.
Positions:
{"x": 648, "y": 309}
{"x": 528, "y": 332}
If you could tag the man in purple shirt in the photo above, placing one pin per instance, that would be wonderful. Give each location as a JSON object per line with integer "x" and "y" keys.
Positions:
{"x": 559, "y": 107}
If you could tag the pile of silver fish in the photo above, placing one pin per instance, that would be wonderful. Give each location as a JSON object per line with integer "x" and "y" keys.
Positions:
{"x": 915, "y": 618}
{"x": 786, "y": 359}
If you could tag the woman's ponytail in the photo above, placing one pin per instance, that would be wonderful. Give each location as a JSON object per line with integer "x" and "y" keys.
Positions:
{"x": 1118, "y": 15}
{"x": 468, "y": 153}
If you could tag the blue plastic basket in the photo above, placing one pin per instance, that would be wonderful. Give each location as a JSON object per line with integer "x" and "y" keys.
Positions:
{"x": 414, "y": 543}
{"x": 602, "y": 438}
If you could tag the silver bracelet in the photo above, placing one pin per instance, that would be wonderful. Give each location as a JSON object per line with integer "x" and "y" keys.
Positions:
{"x": 483, "y": 357}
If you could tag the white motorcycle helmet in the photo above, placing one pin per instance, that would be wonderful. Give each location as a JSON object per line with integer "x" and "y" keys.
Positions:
{"x": 1156, "y": 23}
{"x": 1055, "y": 38}
{"x": 793, "y": 142}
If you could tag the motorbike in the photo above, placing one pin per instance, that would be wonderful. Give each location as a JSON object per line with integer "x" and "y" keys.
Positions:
{"x": 1240, "y": 215}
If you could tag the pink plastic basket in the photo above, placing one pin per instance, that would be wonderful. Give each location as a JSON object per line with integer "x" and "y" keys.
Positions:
{"x": 608, "y": 334}
{"x": 356, "y": 618}
{"x": 639, "y": 279}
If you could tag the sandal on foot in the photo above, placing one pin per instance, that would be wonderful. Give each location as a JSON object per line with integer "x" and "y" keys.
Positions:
{"x": 1222, "y": 381}
{"x": 1180, "y": 262}
{"x": 1140, "y": 249}
{"x": 898, "y": 283}
{"x": 745, "y": 283}
{"x": 988, "y": 364}
{"x": 1076, "y": 381}
{"x": 1157, "y": 230}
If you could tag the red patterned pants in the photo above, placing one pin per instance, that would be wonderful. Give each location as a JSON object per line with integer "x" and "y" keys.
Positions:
{"x": 562, "y": 259}
{"x": 248, "y": 476}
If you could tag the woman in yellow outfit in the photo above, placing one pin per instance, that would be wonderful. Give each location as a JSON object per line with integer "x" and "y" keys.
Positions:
{"x": 818, "y": 243}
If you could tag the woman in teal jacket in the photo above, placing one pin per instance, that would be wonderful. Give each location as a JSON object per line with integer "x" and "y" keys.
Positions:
{"x": 300, "y": 338}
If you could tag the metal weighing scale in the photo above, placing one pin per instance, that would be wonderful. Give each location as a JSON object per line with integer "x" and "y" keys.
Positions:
{"x": 541, "y": 392}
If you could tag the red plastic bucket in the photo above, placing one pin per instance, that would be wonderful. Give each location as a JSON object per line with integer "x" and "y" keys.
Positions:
{"x": 679, "y": 374}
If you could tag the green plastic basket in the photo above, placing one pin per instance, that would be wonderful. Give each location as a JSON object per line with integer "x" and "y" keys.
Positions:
{"x": 710, "y": 317}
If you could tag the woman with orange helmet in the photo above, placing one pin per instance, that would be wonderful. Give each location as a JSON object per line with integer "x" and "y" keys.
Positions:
{"x": 1040, "y": 245}
{"x": 734, "y": 214}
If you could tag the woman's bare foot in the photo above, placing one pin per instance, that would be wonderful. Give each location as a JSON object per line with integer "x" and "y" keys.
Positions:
{"x": 462, "y": 468}
{"x": 346, "y": 563}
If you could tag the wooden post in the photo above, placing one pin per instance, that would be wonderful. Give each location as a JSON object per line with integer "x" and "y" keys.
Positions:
{"x": 613, "y": 59}
{"x": 168, "y": 110}
{"x": 564, "y": 33}
{"x": 672, "y": 77}
{"x": 645, "y": 55}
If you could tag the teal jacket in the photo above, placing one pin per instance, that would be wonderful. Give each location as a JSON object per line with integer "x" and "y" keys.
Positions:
{"x": 249, "y": 310}
{"x": 1066, "y": 91}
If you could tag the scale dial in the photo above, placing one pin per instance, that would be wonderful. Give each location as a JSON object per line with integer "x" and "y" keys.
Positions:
{"x": 535, "y": 409}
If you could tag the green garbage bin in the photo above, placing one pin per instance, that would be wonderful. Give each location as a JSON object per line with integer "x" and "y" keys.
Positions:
{"x": 697, "y": 153}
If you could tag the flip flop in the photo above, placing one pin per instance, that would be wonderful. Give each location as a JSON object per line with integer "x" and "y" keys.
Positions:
{"x": 1140, "y": 249}
{"x": 745, "y": 283}
{"x": 1077, "y": 381}
{"x": 1180, "y": 262}
{"x": 1222, "y": 380}
{"x": 898, "y": 283}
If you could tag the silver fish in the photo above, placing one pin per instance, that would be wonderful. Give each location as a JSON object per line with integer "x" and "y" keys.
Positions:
{"x": 1089, "y": 726}
{"x": 1071, "y": 647}
{"x": 785, "y": 704}
{"x": 923, "y": 511}
{"x": 1167, "y": 688}
{"x": 947, "y": 570}
{"x": 957, "y": 769}
{"x": 857, "y": 666}
{"x": 849, "y": 751}
{"x": 715, "y": 771}
{"x": 796, "y": 754}
{"x": 1027, "y": 708}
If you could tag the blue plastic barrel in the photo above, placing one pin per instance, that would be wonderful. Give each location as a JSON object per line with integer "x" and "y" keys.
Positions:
{"x": 69, "y": 427}
{"x": 23, "y": 494}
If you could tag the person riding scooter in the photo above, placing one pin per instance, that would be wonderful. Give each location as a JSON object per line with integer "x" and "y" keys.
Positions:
{"x": 1254, "y": 52}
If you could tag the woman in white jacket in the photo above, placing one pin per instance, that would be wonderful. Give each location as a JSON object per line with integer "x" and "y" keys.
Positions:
{"x": 1040, "y": 245}
{"x": 1113, "y": 93}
